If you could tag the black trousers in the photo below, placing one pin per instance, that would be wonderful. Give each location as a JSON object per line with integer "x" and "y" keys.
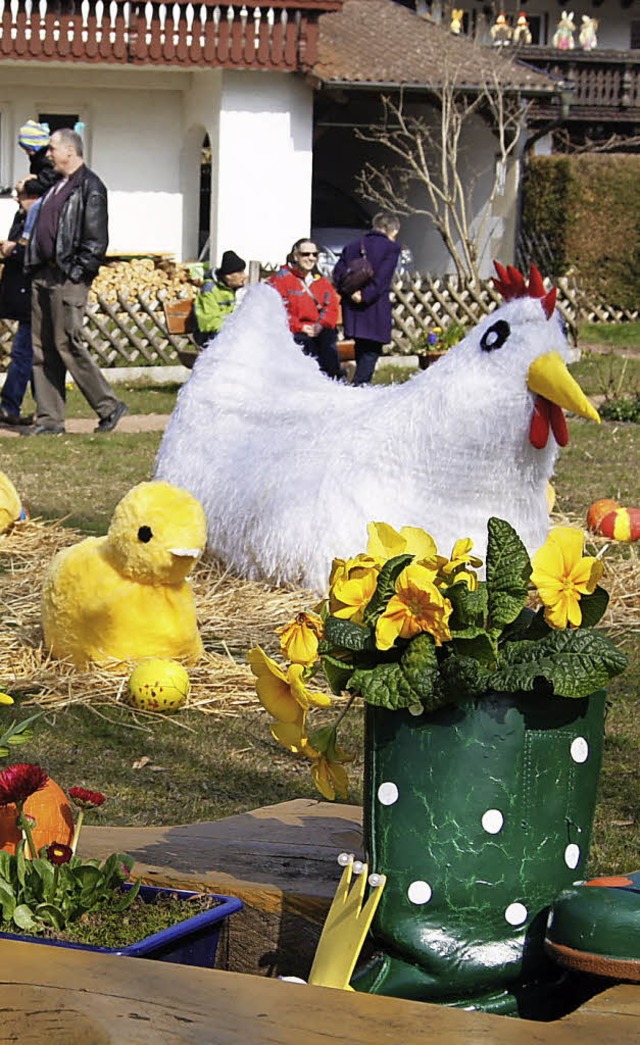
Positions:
{"x": 368, "y": 353}
{"x": 324, "y": 348}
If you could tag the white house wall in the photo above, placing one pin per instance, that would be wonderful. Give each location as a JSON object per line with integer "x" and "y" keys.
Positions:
{"x": 133, "y": 129}
{"x": 261, "y": 165}
{"x": 143, "y": 136}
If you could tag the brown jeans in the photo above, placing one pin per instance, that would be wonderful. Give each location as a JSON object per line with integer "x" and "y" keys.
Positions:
{"x": 57, "y": 310}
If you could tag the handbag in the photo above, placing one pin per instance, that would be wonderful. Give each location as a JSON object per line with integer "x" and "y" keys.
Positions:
{"x": 359, "y": 273}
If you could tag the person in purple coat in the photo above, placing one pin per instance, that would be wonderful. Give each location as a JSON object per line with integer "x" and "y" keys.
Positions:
{"x": 366, "y": 314}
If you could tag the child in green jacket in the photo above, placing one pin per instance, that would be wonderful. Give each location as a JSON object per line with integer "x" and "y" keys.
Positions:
{"x": 217, "y": 299}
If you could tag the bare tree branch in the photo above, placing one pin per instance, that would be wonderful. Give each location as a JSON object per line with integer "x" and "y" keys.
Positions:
{"x": 428, "y": 176}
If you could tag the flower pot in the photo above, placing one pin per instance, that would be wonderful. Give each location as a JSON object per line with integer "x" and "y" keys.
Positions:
{"x": 479, "y": 814}
{"x": 191, "y": 942}
{"x": 425, "y": 359}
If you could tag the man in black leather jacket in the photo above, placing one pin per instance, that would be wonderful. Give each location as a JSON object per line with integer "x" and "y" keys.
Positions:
{"x": 63, "y": 255}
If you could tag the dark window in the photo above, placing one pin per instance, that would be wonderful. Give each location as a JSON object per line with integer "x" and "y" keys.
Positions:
{"x": 634, "y": 43}
{"x": 57, "y": 120}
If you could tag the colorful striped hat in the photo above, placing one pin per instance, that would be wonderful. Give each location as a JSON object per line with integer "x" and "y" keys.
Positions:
{"x": 33, "y": 135}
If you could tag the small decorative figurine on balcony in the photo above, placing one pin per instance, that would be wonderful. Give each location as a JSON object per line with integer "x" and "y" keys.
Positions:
{"x": 501, "y": 30}
{"x": 588, "y": 39}
{"x": 563, "y": 36}
{"x": 522, "y": 33}
{"x": 457, "y": 14}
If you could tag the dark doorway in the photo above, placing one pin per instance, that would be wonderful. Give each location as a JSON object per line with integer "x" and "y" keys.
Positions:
{"x": 204, "y": 208}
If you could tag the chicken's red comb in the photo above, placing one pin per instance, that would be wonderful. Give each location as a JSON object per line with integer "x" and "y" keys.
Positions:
{"x": 512, "y": 284}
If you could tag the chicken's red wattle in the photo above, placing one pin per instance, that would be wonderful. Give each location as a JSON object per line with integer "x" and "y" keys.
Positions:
{"x": 547, "y": 415}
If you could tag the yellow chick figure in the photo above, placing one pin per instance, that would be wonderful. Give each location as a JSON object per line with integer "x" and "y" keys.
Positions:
{"x": 10, "y": 506}
{"x": 126, "y": 596}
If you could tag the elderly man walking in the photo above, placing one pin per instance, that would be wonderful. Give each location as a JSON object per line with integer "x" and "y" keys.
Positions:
{"x": 63, "y": 255}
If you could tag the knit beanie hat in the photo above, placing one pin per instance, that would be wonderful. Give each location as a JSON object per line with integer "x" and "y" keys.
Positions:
{"x": 33, "y": 135}
{"x": 231, "y": 263}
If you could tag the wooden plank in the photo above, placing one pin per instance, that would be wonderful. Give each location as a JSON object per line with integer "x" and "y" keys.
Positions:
{"x": 94, "y": 998}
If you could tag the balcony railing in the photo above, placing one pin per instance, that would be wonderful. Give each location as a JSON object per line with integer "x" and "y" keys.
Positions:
{"x": 282, "y": 35}
{"x": 607, "y": 83}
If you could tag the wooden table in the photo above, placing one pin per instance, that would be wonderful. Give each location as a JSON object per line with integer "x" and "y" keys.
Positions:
{"x": 65, "y": 997}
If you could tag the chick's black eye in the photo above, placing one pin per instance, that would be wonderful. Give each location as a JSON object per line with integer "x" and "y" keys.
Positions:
{"x": 495, "y": 336}
{"x": 145, "y": 534}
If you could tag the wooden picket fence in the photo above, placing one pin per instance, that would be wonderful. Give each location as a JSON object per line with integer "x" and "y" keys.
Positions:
{"x": 133, "y": 331}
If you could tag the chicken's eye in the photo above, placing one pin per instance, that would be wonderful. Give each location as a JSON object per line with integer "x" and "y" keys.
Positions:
{"x": 145, "y": 533}
{"x": 495, "y": 336}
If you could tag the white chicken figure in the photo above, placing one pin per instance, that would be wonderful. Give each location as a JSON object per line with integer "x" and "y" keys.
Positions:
{"x": 290, "y": 466}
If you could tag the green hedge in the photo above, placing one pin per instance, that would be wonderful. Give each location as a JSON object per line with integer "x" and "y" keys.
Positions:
{"x": 583, "y": 212}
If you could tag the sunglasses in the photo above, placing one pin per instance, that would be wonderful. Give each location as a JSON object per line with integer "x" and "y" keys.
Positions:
{"x": 308, "y": 253}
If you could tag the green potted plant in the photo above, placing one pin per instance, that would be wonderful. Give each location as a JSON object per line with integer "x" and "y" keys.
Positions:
{"x": 484, "y": 722}
{"x": 435, "y": 343}
{"x": 52, "y": 896}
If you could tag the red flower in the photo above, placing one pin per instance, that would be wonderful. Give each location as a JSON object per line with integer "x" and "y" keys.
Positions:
{"x": 84, "y": 799}
{"x": 59, "y": 853}
{"x": 18, "y": 782}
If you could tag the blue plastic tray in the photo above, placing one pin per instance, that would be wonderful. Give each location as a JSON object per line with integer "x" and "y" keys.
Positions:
{"x": 191, "y": 942}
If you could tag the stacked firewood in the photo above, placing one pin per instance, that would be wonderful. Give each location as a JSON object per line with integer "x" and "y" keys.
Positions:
{"x": 142, "y": 276}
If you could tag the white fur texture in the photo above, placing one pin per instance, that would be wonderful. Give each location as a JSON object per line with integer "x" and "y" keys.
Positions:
{"x": 291, "y": 466}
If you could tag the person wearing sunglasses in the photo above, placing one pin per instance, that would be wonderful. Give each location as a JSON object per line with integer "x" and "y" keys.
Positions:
{"x": 312, "y": 305}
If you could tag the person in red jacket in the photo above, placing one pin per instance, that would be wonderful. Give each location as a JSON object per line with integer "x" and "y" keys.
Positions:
{"x": 312, "y": 305}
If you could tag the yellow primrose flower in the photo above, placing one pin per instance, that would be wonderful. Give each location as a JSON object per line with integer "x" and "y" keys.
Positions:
{"x": 282, "y": 694}
{"x": 5, "y": 698}
{"x": 292, "y": 735}
{"x": 351, "y": 598}
{"x": 351, "y": 585}
{"x": 300, "y": 637}
{"x": 328, "y": 773}
{"x": 331, "y": 778}
{"x": 562, "y": 575}
{"x": 454, "y": 568}
{"x": 417, "y": 606}
{"x": 386, "y": 543}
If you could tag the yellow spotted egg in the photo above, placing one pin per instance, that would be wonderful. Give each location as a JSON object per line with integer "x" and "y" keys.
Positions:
{"x": 158, "y": 685}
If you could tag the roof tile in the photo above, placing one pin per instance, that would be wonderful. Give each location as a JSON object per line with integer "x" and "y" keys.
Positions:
{"x": 380, "y": 42}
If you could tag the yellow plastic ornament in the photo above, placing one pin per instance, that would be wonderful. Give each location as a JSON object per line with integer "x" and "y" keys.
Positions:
{"x": 158, "y": 685}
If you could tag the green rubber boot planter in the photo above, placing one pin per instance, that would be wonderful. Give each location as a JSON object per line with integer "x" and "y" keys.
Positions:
{"x": 479, "y": 814}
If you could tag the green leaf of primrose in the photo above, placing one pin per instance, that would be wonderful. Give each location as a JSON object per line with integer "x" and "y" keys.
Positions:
{"x": 476, "y": 643}
{"x": 575, "y": 663}
{"x": 385, "y": 588}
{"x": 461, "y": 678}
{"x": 593, "y": 607}
{"x": 469, "y": 607}
{"x": 344, "y": 634}
{"x": 384, "y": 686}
{"x": 400, "y": 684}
{"x": 337, "y": 672}
{"x": 508, "y": 574}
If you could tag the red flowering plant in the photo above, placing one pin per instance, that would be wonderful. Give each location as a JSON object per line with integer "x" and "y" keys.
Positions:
{"x": 49, "y": 889}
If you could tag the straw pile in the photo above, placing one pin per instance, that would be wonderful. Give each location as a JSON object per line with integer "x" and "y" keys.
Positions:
{"x": 233, "y": 615}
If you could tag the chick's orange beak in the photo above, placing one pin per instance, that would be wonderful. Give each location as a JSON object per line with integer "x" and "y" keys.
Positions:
{"x": 555, "y": 389}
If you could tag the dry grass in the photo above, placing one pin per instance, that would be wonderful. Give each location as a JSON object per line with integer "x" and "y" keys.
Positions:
{"x": 233, "y": 615}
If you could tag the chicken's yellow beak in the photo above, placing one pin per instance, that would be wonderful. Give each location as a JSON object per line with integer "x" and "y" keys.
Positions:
{"x": 548, "y": 376}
